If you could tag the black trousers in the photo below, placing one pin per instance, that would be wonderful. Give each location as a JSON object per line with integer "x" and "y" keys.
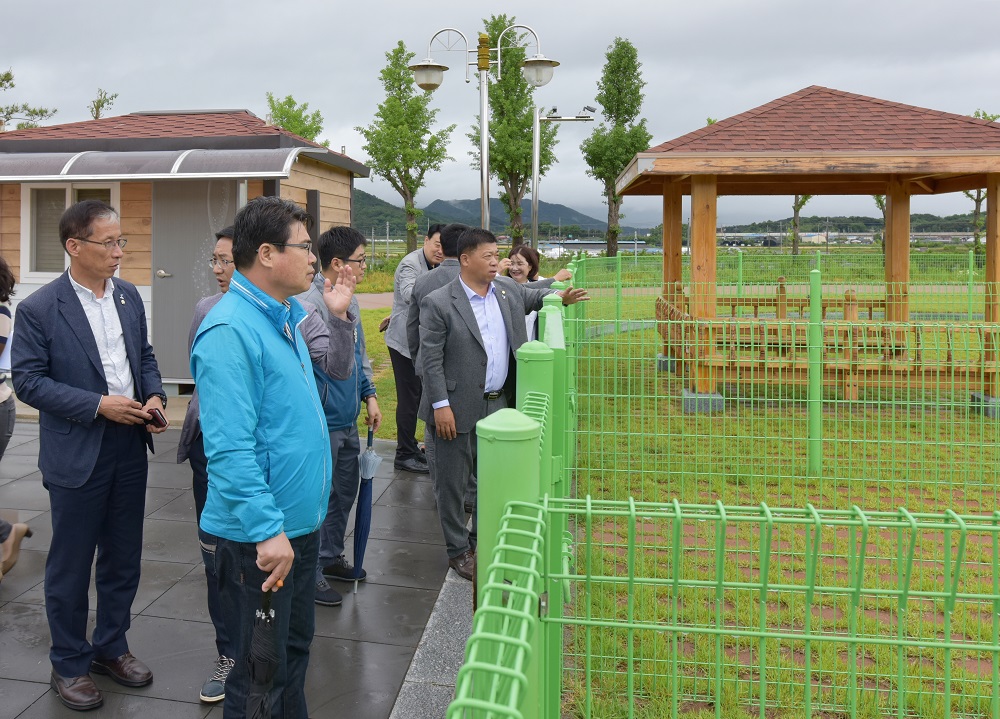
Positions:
{"x": 407, "y": 401}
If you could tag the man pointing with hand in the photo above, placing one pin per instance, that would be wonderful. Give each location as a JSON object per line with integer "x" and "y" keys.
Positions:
{"x": 266, "y": 439}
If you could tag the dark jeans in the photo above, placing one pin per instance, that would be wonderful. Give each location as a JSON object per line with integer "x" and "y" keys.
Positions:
{"x": 199, "y": 485}
{"x": 345, "y": 448}
{"x": 239, "y": 588}
{"x": 407, "y": 401}
{"x": 105, "y": 514}
{"x": 5, "y": 530}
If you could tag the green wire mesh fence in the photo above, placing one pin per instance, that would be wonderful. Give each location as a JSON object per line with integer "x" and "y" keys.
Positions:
{"x": 688, "y": 595}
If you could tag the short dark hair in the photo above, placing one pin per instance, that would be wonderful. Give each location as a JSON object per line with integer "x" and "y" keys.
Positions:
{"x": 530, "y": 255}
{"x": 449, "y": 238}
{"x": 473, "y": 238}
{"x": 6, "y": 281}
{"x": 264, "y": 219}
{"x": 225, "y": 232}
{"x": 338, "y": 242}
{"x": 78, "y": 220}
{"x": 434, "y": 230}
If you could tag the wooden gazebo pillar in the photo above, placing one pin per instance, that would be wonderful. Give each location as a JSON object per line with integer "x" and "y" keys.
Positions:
{"x": 672, "y": 242}
{"x": 991, "y": 380}
{"x": 897, "y": 252}
{"x": 992, "y": 248}
{"x": 703, "y": 271}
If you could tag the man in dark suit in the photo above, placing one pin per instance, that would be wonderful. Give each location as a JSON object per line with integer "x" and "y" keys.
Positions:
{"x": 469, "y": 330}
{"x": 82, "y": 358}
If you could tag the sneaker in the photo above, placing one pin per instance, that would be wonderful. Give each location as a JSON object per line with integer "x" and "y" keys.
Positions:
{"x": 214, "y": 690}
{"x": 327, "y": 596}
{"x": 343, "y": 571}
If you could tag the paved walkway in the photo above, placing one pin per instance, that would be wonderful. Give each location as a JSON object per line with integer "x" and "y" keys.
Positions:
{"x": 362, "y": 650}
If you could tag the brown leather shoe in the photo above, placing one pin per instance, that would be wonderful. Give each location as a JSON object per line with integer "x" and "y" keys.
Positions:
{"x": 79, "y": 693}
{"x": 126, "y": 670}
{"x": 464, "y": 564}
{"x": 11, "y": 547}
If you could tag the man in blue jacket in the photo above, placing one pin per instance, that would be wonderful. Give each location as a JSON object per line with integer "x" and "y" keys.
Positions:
{"x": 339, "y": 248}
{"x": 265, "y": 438}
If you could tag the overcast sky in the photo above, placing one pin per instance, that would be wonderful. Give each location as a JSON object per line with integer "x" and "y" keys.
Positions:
{"x": 700, "y": 58}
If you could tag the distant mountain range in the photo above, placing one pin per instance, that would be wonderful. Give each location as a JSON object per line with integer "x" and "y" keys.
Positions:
{"x": 370, "y": 215}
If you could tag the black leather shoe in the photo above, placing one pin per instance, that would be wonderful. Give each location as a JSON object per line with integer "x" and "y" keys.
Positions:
{"x": 79, "y": 693}
{"x": 464, "y": 564}
{"x": 126, "y": 670}
{"x": 412, "y": 465}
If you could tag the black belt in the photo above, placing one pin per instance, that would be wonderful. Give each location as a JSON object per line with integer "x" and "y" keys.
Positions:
{"x": 493, "y": 395}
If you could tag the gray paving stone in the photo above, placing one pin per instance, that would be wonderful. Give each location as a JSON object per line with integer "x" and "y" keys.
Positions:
{"x": 16, "y": 696}
{"x": 167, "y": 541}
{"x": 25, "y": 493}
{"x": 117, "y": 705}
{"x": 354, "y": 679}
{"x": 377, "y": 613}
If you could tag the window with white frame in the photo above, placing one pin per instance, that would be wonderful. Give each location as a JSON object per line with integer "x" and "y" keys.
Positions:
{"x": 42, "y": 254}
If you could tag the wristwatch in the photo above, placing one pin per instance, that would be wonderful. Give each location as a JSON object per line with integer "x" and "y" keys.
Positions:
{"x": 163, "y": 398}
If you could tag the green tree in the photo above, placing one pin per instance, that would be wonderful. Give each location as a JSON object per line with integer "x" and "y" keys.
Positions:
{"x": 511, "y": 118}
{"x": 289, "y": 115}
{"x": 979, "y": 196}
{"x": 102, "y": 102}
{"x": 797, "y": 204}
{"x": 613, "y": 144}
{"x": 400, "y": 143}
{"x": 26, "y": 115}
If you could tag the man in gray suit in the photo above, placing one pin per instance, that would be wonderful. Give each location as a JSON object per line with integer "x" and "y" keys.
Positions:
{"x": 469, "y": 330}
{"x": 412, "y": 267}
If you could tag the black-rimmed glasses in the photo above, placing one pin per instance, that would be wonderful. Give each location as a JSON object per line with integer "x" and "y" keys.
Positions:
{"x": 301, "y": 245}
{"x": 362, "y": 261}
{"x": 108, "y": 246}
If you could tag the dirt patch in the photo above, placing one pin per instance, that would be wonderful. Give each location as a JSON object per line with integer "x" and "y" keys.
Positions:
{"x": 882, "y": 616}
{"x": 864, "y": 661}
{"x": 977, "y": 665}
{"x": 744, "y": 657}
{"x": 827, "y": 613}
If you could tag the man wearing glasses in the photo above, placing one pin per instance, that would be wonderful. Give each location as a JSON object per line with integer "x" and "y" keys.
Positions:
{"x": 266, "y": 441}
{"x": 339, "y": 248}
{"x": 81, "y": 356}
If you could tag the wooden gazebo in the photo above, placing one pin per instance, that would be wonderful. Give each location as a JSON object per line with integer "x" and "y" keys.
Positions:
{"x": 817, "y": 141}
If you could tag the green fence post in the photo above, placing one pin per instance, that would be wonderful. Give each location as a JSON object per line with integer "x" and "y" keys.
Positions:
{"x": 739, "y": 280}
{"x": 972, "y": 282}
{"x": 618, "y": 292}
{"x": 819, "y": 259}
{"x": 815, "y": 374}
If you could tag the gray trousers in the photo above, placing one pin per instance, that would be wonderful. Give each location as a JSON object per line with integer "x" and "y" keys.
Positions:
{"x": 453, "y": 463}
{"x": 345, "y": 447}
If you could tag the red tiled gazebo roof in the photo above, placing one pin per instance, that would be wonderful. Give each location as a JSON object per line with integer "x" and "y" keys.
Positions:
{"x": 823, "y": 120}
{"x": 824, "y": 141}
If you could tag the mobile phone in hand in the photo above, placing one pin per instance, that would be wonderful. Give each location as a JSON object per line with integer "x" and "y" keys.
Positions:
{"x": 158, "y": 420}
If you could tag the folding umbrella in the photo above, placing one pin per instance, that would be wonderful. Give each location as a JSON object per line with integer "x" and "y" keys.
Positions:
{"x": 262, "y": 661}
{"x": 363, "y": 516}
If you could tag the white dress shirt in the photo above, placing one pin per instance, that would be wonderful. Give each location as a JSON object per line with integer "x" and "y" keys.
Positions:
{"x": 494, "y": 334}
{"x": 107, "y": 328}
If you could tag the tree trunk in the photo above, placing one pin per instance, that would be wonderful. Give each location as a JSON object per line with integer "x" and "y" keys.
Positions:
{"x": 411, "y": 230}
{"x": 976, "y": 219}
{"x": 614, "y": 212}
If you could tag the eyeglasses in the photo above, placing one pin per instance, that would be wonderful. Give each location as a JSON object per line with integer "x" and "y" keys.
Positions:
{"x": 301, "y": 245}
{"x": 362, "y": 261}
{"x": 108, "y": 246}
{"x": 213, "y": 263}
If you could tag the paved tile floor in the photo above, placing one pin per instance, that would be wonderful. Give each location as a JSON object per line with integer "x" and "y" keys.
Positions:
{"x": 361, "y": 651}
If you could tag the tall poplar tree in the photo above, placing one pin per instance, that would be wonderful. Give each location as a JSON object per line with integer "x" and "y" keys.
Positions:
{"x": 399, "y": 142}
{"x": 615, "y": 142}
{"x": 512, "y": 109}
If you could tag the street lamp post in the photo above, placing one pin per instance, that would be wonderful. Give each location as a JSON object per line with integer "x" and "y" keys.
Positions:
{"x": 536, "y": 156}
{"x": 429, "y": 75}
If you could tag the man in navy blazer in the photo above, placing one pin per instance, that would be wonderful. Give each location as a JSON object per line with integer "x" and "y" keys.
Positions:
{"x": 80, "y": 355}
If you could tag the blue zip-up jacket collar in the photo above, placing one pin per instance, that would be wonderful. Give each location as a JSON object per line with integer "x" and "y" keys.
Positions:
{"x": 284, "y": 316}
